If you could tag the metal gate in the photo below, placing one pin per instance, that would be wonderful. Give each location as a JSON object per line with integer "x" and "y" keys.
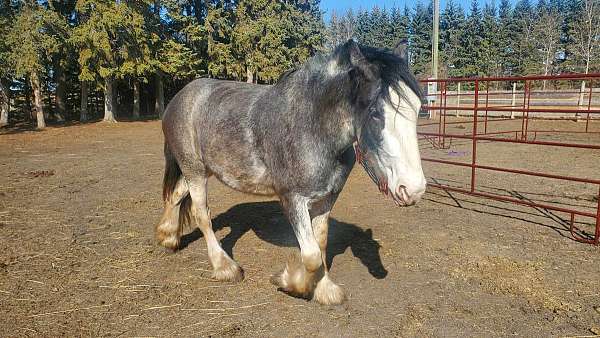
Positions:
{"x": 507, "y": 110}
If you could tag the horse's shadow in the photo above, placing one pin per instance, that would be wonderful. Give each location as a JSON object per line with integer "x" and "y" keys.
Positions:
{"x": 269, "y": 223}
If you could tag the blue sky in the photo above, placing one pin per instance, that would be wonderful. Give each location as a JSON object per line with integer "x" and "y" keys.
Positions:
{"x": 342, "y": 6}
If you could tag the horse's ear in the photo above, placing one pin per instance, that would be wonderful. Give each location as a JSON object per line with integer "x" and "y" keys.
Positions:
{"x": 358, "y": 60}
{"x": 356, "y": 56}
{"x": 402, "y": 49}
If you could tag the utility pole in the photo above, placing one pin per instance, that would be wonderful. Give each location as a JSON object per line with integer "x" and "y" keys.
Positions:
{"x": 432, "y": 86}
{"x": 435, "y": 39}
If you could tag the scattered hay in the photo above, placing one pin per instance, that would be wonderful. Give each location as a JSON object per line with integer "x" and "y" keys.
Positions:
{"x": 501, "y": 275}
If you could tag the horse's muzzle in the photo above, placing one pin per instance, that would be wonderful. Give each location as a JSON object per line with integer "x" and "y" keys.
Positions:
{"x": 402, "y": 197}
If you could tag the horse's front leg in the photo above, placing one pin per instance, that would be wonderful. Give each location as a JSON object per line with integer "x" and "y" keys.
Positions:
{"x": 326, "y": 291}
{"x": 300, "y": 280}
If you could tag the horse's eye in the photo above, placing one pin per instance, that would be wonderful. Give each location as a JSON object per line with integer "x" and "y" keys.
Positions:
{"x": 376, "y": 114}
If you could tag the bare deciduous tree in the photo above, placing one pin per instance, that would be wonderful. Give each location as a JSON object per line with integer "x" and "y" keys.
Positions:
{"x": 585, "y": 32}
{"x": 546, "y": 39}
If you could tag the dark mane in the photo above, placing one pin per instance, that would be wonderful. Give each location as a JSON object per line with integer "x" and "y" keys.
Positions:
{"x": 392, "y": 70}
{"x": 286, "y": 75}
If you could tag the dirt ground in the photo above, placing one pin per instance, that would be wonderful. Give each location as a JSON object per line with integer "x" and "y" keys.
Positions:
{"x": 77, "y": 255}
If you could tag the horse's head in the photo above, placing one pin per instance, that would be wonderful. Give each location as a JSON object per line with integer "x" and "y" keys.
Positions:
{"x": 387, "y": 100}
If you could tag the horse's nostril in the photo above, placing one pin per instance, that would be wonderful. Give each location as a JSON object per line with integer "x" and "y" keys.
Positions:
{"x": 409, "y": 198}
{"x": 403, "y": 193}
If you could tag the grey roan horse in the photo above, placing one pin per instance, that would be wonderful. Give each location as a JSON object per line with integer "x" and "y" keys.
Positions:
{"x": 299, "y": 140}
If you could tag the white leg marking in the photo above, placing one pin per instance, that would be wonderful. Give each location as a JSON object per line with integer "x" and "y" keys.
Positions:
{"x": 326, "y": 292}
{"x": 168, "y": 229}
{"x": 225, "y": 268}
{"x": 329, "y": 293}
{"x": 300, "y": 280}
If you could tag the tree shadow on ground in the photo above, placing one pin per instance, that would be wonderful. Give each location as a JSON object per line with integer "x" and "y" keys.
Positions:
{"x": 268, "y": 222}
{"x": 18, "y": 127}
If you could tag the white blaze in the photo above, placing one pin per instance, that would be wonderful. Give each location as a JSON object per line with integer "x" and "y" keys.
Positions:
{"x": 399, "y": 151}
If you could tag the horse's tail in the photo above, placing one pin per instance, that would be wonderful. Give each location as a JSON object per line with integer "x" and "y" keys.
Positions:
{"x": 172, "y": 176}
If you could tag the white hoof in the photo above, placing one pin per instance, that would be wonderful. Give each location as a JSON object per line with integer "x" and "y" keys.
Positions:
{"x": 328, "y": 293}
{"x": 294, "y": 281}
{"x": 279, "y": 279}
{"x": 168, "y": 241}
{"x": 229, "y": 271}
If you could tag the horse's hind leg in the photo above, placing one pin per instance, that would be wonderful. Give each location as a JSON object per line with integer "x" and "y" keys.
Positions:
{"x": 168, "y": 230}
{"x": 224, "y": 268}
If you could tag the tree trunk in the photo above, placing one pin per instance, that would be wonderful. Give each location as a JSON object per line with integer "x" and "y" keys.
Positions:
{"x": 28, "y": 103}
{"x": 159, "y": 107}
{"x": 136, "y": 99}
{"x": 157, "y": 7}
{"x": 96, "y": 103}
{"x": 458, "y": 100}
{"x": 47, "y": 103}
{"x": 513, "y": 100}
{"x": 249, "y": 75}
{"x": 83, "y": 113}
{"x": 109, "y": 115}
{"x": 198, "y": 11}
{"x": 61, "y": 92}
{"x": 37, "y": 97}
{"x": 580, "y": 101}
{"x": 4, "y": 104}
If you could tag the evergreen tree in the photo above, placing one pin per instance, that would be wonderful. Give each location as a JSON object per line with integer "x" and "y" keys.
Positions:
{"x": 6, "y": 69}
{"x": 490, "y": 63}
{"x": 505, "y": 38}
{"x": 399, "y": 23}
{"x": 469, "y": 51}
{"x": 452, "y": 22}
{"x": 523, "y": 23}
{"x": 420, "y": 39}
{"x": 113, "y": 44}
{"x": 35, "y": 36}
{"x": 381, "y": 29}
{"x": 219, "y": 29}
{"x": 63, "y": 66}
{"x": 260, "y": 39}
{"x": 152, "y": 48}
{"x": 272, "y": 56}
{"x": 364, "y": 27}
{"x": 304, "y": 30}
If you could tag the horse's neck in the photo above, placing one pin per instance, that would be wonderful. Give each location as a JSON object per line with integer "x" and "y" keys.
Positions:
{"x": 324, "y": 108}
{"x": 334, "y": 125}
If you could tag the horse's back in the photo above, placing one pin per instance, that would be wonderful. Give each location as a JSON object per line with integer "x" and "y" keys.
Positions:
{"x": 208, "y": 124}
